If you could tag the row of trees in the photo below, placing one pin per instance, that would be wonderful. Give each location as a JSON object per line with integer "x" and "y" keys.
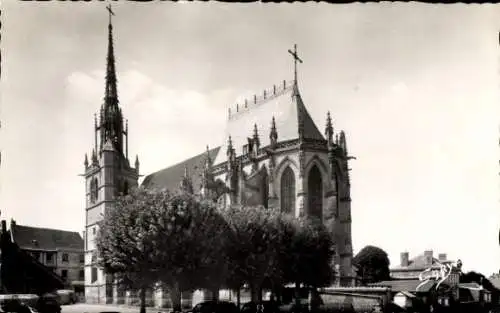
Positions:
{"x": 184, "y": 243}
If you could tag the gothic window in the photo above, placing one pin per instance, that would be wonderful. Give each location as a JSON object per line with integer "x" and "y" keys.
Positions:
{"x": 315, "y": 193}
{"x": 93, "y": 190}
{"x": 288, "y": 191}
{"x": 335, "y": 182}
{"x": 265, "y": 189}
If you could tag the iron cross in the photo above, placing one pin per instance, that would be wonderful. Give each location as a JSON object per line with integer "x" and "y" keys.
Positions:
{"x": 110, "y": 12}
{"x": 295, "y": 59}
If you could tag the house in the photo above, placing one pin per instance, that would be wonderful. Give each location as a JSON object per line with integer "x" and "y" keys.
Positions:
{"x": 59, "y": 250}
{"x": 20, "y": 272}
{"x": 412, "y": 268}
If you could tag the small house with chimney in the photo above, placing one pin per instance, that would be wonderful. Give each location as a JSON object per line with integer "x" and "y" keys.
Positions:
{"x": 412, "y": 268}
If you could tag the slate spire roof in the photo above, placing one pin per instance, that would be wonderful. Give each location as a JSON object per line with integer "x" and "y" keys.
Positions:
{"x": 111, "y": 119}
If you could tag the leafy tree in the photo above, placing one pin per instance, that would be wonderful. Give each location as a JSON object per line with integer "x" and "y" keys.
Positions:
{"x": 373, "y": 264}
{"x": 267, "y": 246}
{"x": 311, "y": 254}
{"x": 154, "y": 236}
{"x": 192, "y": 245}
{"x": 126, "y": 241}
{"x": 478, "y": 278}
{"x": 253, "y": 249}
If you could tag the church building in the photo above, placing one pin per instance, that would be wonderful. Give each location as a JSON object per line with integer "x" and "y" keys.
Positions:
{"x": 272, "y": 155}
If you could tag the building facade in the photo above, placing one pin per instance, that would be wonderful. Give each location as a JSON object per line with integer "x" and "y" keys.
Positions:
{"x": 107, "y": 174}
{"x": 60, "y": 251}
{"x": 412, "y": 268}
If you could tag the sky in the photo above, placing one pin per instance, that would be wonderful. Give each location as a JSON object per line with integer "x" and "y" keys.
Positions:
{"x": 414, "y": 86}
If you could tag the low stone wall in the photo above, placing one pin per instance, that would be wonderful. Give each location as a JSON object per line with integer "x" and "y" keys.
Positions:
{"x": 361, "y": 299}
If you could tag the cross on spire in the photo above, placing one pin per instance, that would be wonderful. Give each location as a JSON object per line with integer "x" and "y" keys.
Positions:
{"x": 110, "y": 12}
{"x": 295, "y": 59}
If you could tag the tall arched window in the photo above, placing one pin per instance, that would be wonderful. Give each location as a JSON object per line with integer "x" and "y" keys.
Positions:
{"x": 335, "y": 181}
{"x": 93, "y": 190}
{"x": 287, "y": 197}
{"x": 315, "y": 193}
{"x": 265, "y": 189}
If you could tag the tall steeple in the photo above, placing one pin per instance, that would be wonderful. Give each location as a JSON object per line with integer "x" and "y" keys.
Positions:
{"x": 111, "y": 119}
{"x": 111, "y": 95}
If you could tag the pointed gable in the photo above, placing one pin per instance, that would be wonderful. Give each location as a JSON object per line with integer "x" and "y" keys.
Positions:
{"x": 285, "y": 104}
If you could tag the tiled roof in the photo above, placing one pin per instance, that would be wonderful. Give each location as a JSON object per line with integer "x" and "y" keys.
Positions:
{"x": 27, "y": 237}
{"x": 409, "y": 285}
{"x": 171, "y": 176}
{"x": 418, "y": 263}
{"x": 286, "y": 106}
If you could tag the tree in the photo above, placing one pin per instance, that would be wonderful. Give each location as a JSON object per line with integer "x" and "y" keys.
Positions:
{"x": 267, "y": 246}
{"x": 373, "y": 264}
{"x": 478, "y": 278}
{"x": 310, "y": 254}
{"x": 192, "y": 245}
{"x": 127, "y": 240}
{"x": 253, "y": 249}
{"x": 154, "y": 236}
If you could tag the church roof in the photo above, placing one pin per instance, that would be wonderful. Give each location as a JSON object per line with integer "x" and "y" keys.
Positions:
{"x": 27, "y": 237}
{"x": 171, "y": 176}
{"x": 287, "y": 107}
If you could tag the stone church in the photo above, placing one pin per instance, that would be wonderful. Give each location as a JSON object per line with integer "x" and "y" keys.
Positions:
{"x": 272, "y": 154}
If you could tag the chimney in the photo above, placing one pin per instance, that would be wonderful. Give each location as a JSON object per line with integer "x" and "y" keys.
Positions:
{"x": 442, "y": 257}
{"x": 405, "y": 259}
{"x": 428, "y": 257}
{"x": 4, "y": 226}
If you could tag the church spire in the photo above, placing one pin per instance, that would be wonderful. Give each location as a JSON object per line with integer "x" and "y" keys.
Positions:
{"x": 111, "y": 123}
{"x": 273, "y": 134}
{"x": 111, "y": 90}
{"x": 256, "y": 140}
{"x": 329, "y": 129}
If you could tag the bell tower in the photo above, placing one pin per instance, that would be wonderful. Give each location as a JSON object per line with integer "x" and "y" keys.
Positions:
{"x": 107, "y": 174}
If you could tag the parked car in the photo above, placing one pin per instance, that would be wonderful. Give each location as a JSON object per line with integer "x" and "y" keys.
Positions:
{"x": 15, "y": 306}
{"x": 268, "y": 306}
{"x": 48, "y": 303}
{"x": 67, "y": 296}
{"x": 215, "y": 307}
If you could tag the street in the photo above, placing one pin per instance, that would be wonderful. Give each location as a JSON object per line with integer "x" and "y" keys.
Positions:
{"x": 100, "y": 308}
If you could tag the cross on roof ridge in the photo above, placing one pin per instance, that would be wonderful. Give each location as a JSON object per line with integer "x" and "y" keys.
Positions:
{"x": 295, "y": 59}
